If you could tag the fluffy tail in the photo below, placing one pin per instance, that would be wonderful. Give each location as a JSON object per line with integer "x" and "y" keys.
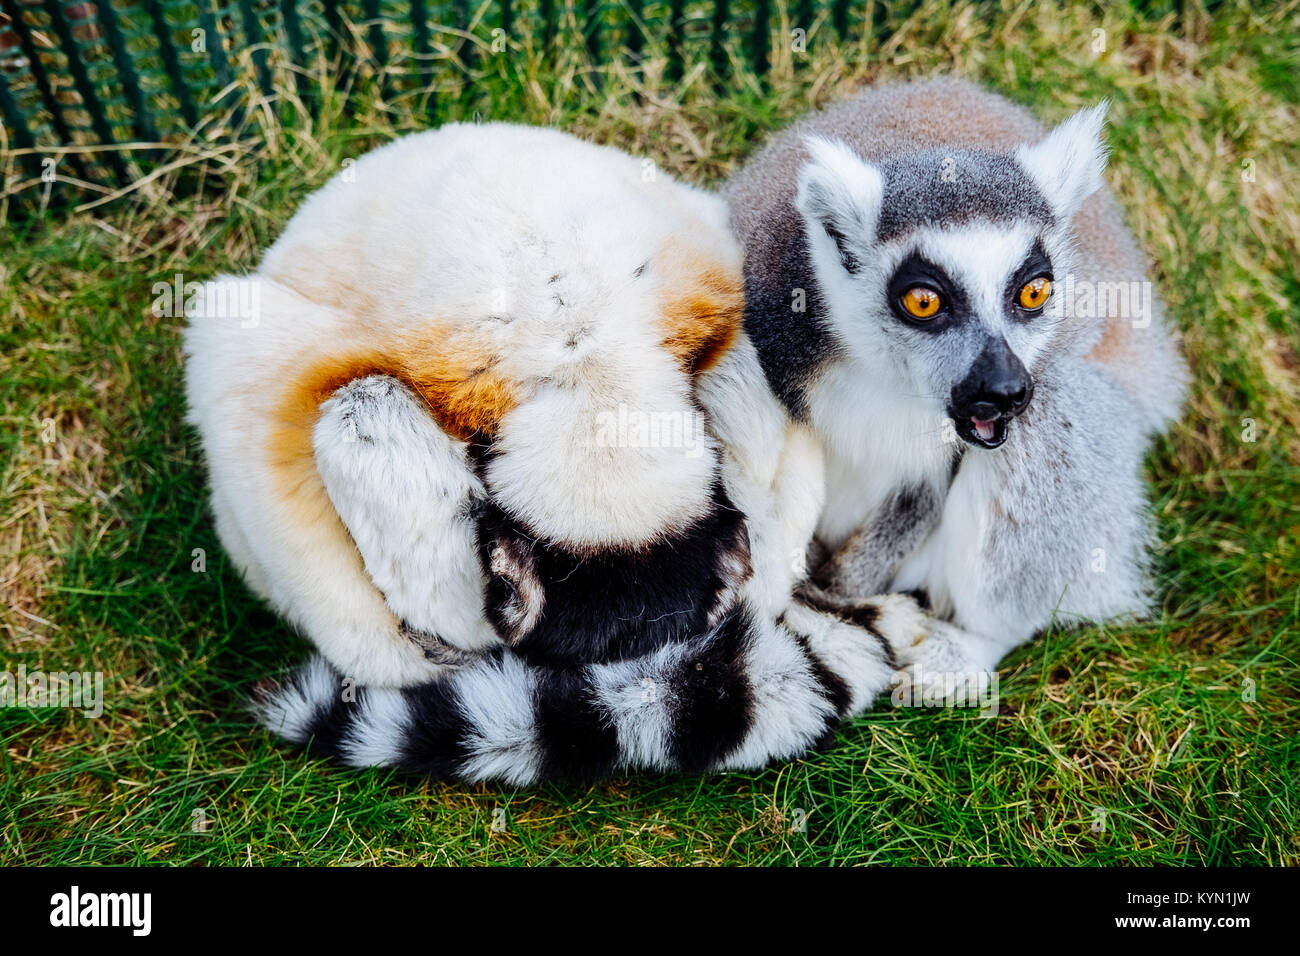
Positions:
{"x": 741, "y": 697}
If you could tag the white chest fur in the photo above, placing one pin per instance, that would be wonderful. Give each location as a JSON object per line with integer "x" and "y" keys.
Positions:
{"x": 874, "y": 448}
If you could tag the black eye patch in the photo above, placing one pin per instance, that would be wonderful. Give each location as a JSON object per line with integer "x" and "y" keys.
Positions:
{"x": 916, "y": 270}
{"x": 1036, "y": 264}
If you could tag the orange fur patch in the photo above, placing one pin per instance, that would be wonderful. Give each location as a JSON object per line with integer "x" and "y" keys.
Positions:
{"x": 291, "y": 454}
{"x": 458, "y": 386}
{"x": 458, "y": 381}
{"x": 703, "y": 311}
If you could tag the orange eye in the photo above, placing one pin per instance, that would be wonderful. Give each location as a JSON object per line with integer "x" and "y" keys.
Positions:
{"x": 1035, "y": 292}
{"x": 920, "y": 302}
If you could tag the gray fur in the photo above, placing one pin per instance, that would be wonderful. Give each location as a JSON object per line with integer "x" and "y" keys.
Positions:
{"x": 1053, "y": 524}
{"x": 941, "y": 187}
{"x": 867, "y": 562}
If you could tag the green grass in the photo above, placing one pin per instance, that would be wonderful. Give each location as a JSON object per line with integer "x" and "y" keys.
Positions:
{"x": 1145, "y": 728}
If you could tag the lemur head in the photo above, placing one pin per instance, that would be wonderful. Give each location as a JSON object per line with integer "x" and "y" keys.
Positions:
{"x": 938, "y": 265}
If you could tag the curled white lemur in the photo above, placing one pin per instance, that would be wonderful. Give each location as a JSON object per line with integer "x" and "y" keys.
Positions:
{"x": 495, "y": 442}
{"x": 949, "y": 298}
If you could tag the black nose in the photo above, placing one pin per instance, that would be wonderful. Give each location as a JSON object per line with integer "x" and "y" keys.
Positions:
{"x": 1006, "y": 397}
{"x": 996, "y": 385}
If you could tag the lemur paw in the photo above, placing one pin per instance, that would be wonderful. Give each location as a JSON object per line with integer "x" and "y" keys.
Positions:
{"x": 940, "y": 669}
{"x": 435, "y": 649}
{"x": 407, "y": 494}
{"x": 377, "y": 408}
{"x": 898, "y": 619}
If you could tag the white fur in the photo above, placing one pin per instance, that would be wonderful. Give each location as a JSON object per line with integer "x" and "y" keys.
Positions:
{"x": 309, "y": 572}
{"x": 872, "y": 446}
{"x": 850, "y": 652}
{"x": 1068, "y": 163}
{"x": 552, "y": 469}
{"x": 394, "y": 476}
{"x": 640, "y": 703}
{"x": 773, "y": 471}
{"x": 789, "y": 711}
{"x": 380, "y": 726}
{"x": 520, "y": 243}
{"x": 496, "y": 701}
{"x": 290, "y": 713}
{"x": 838, "y": 189}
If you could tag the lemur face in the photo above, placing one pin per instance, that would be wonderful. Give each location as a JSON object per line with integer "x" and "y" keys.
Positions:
{"x": 969, "y": 307}
{"x": 939, "y": 268}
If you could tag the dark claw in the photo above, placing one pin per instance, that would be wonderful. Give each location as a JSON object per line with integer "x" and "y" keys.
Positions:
{"x": 435, "y": 648}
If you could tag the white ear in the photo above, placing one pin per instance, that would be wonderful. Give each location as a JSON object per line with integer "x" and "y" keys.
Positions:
{"x": 1068, "y": 163}
{"x": 839, "y": 194}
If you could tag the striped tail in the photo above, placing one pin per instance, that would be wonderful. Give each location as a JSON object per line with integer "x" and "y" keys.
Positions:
{"x": 745, "y": 695}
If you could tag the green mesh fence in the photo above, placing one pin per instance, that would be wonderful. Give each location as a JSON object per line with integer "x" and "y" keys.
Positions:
{"x": 93, "y": 78}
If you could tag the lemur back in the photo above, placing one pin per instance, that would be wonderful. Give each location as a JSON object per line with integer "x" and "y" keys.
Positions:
{"x": 522, "y": 284}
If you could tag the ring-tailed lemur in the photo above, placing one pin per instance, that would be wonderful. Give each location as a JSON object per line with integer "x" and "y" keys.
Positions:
{"x": 496, "y": 443}
{"x": 950, "y": 299}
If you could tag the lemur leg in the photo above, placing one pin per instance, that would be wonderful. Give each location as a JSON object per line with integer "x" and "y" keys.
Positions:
{"x": 249, "y": 393}
{"x": 406, "y": 492}
{"x": 867, "y": 562}
{"x": 749, "y": 693}
{"x": 773, "y": 469}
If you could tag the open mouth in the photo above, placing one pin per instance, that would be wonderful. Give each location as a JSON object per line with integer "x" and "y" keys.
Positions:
{"x": 984, "y": 433}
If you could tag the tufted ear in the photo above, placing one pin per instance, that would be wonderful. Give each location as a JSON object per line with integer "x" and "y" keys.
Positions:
{"x": 840, "y": 195}
{"x": 1067, "y": 164}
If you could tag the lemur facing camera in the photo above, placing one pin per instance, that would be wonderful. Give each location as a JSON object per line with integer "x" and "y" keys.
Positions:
{"x": 496, "y": 443}
{"x": 949, "y": 298}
